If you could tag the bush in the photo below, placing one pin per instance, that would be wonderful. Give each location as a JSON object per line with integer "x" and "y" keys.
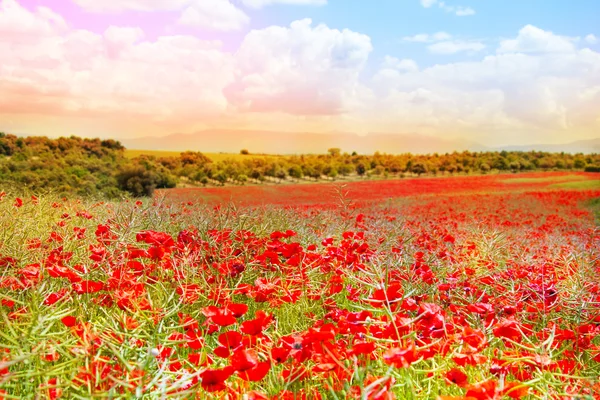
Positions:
{"x": 139, "y": 181}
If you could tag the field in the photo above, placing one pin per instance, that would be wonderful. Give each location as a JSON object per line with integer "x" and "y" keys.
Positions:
{"x": 215, "y": 157}
{"x": 481, "y": 287}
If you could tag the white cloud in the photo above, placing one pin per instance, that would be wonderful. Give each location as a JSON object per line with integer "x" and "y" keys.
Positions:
{"x": 532, "y": 39}
{"x": 302, "y": 75}
{"x": 591, "y": 39}
{"x": 428, "y": 3}
{"x": 459, "y": 11}
{"x": 118, "y": 39}
{"x": 263, "y": 3}
{"x": 82, "y": 73}
{"x": 218, "y": 15}
{"x": 131, "y": 5}
{"x": 538, "y": 92}
{"x": 298, "y": 70}
{"x": 427, "y": 38}
{"x": 455, "y": 46}
{"x": 464, "y": 11}
{"x": 162, "y": 5}
{"x": 405, "y": 65}
{"x": 17, "y": 23}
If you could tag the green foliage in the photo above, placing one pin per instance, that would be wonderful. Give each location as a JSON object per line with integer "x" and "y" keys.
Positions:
{"x": 104, "y": 168}
{"x": 141, "y": 180}
{"x": 68, "y": 166}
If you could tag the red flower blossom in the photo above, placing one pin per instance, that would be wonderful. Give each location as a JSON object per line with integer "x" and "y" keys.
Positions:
{"x": 457, "y": 377}
{"x": 507, "y": 328}
{"x": 69, "y": 321}
{"x": 213, "y": 380}
{"x": 401, "y": 357}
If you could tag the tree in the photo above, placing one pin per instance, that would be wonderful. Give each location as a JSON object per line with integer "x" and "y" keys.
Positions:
{"x": 244, "y": 152}
{"x": 194, "y": 158}
{"x": 418, "y": 168}
{"x": 334, "y": 151}
{"x": 280, "y": 174}
{"x": 295, "y": 171}
{"x": 361, "y": 169}
{"x": 140, "y": 181}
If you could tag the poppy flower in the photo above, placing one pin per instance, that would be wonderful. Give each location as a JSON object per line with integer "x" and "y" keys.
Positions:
{"x": 507, "y": 328}
{"x": 243, "y": 360}
{"x": 457, "y": 377}
{"x": 87, "y": 287}
{"x": 257, "y": 325}
{"x": 69, "y": 321}
{"x": 486, "y": 390}
{"x": 256, "y": 373}
{"x": 400, "y": 357}
{"x": 213, "y": 380}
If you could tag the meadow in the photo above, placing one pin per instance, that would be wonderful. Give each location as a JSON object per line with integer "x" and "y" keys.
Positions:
{"x": 214, "y": 157}
{"x": 469, "y": 287}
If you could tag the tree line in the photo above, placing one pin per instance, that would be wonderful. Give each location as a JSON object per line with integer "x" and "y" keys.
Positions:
{"x": 97, "y": 167}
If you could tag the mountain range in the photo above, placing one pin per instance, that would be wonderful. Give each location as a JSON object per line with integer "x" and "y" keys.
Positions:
{"x": 272, "y": 142}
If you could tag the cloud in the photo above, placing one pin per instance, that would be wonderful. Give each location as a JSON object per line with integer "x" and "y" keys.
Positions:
{"x": 115, "y": 6}
{"x": 550, "y": 89}
{"x": 428, "y": 3}
{"x": 405, "y": 65}
{"x": 459, "y": 11}
{"x": 591, "y": 39}
{"x": 118, "y": 39}
{"x": 215, "y": 15}
{"x": 131, "y": 5}
{"x": 301, "y": 69}
{"x": 427, "y": 38}
{"x": 301, "y": 76}
{"x": 455, "y": 46}
{"x": 263, "y": 3}
{"x": 442, "y": 43}
{"x": 117, "y": 73}
{"x": 464, "y": 11}
{"x": 218, "y": 15}
{"x": 18, "y": 24}
{"x": 532, "y": 39}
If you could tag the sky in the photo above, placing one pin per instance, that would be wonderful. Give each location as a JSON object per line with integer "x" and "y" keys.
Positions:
{"x": 495, "y": 72}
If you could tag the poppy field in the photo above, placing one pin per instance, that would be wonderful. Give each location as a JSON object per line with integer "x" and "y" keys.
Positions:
{"x": 484, "y": 287}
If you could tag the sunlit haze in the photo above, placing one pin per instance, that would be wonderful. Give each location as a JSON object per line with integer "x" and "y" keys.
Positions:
{"x": 493, "y": 72}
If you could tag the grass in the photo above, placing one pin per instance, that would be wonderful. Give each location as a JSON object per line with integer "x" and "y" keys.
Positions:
{"x": 594, "y": 205}
{"x": 545, "y": 179}
{"x": 582, "y": 185}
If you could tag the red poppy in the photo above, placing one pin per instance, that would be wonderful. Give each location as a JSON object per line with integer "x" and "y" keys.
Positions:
{"x": 457, "y": 377}
{"x": 486, "y": 390}
{"x": 257, "y": 373}
{"x": 213, "y": 380}
{"x": 400, "y": 357}
{"x": 69, "y": 321}
{"x": 243, "y": 360}
{"x": 507, "y": 328}
{"x": 87, "y": 287}
{"x": 257, "y": 325}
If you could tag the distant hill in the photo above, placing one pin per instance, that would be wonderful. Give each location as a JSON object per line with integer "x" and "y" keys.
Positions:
{"x": 272, "y": 142}
{"x": 579, "y": 146}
